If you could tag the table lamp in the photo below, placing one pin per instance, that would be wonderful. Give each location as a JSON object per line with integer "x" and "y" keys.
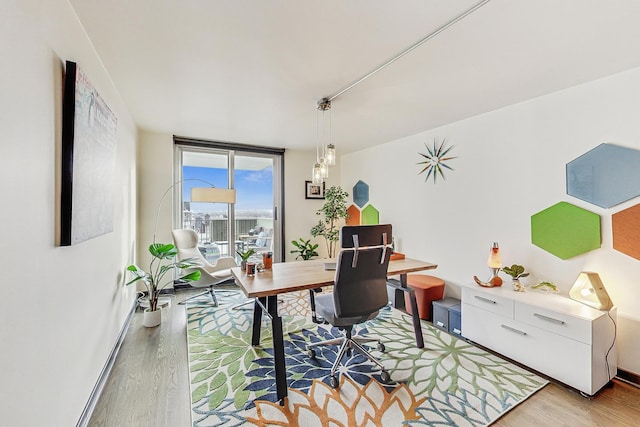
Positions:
{"x": 589, "y": 289}
{"x": 494, "y": 262}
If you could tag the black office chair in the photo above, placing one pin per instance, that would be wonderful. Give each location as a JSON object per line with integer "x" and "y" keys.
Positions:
{"x": 359, "y": 292}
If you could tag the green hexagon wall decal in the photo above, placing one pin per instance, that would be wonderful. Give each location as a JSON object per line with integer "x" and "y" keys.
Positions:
{"x": 566, "y": 230}
{"x": 370, "y": 216}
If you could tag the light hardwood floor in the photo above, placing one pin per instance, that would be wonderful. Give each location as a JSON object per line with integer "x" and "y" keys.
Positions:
{"x": 149, "y": 386}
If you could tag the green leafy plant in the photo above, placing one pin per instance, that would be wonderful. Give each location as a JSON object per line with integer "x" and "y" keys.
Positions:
{"x": 304, "y": 248}
{"x": 246, "y": 254}
{"x": 334, "y": 210}
{"x": 162, "y": 262}
{"x": 515, "y": 271}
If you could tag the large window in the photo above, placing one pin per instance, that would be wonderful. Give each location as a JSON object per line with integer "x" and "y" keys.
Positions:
{"x": 254, "y": 221}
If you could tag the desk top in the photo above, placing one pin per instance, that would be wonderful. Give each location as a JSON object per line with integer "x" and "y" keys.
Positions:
{"x": 301, "y": 275}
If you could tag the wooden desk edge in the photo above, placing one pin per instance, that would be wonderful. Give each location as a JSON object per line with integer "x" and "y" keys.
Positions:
{"x": 401, "y": 266}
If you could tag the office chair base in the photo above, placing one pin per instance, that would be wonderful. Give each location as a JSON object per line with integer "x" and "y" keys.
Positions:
{"x": 242, "y": 305}
{"x": 208, "y": 291}
{"x": 348, "y": 344}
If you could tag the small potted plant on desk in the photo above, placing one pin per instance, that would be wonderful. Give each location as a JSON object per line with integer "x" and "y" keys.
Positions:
{"x": 516, "y": 272}
{"x": 244, "y": 256}
{"x": 162, "y": 262}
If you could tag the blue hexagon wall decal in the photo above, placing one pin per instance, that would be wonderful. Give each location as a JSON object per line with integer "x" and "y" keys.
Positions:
{"x": 566, "y": 230}
{"x": 361, "y": 193}
{"x": 605, "y": 176}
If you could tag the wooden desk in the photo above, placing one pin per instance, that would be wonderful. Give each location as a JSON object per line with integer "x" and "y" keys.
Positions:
{"x": 300, "y": 275}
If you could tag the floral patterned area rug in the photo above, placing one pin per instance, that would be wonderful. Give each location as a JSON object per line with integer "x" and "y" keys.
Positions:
{"x": 448, "y": 383}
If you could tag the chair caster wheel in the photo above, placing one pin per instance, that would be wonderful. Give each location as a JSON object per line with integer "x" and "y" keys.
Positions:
{"x": 381, "y": 347}
{"x": 385, "y": 377}
{"x": 311, "y": 353}
{"x": 333, "y": 381}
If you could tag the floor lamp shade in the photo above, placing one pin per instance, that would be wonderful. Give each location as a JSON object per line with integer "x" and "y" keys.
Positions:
{"x": 589, "y": 289}
{"x": 213, "y": 195}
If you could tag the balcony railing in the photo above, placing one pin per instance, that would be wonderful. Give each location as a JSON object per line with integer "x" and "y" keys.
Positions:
{"x": 212, "y": 233}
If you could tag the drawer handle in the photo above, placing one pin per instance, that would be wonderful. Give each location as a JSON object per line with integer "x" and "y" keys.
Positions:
{"x": 490, "y": 301}
{"x": 549, "y": 319}
{"x": 439, "y": 323}
{"x": 457, "y": 331}
{"x": 517, "y": 331}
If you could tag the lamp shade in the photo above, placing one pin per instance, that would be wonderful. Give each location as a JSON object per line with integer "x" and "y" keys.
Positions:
{"x": 589, "y": 289}
{"x": 213, "y": 195}
{"x": 494, "y": 260}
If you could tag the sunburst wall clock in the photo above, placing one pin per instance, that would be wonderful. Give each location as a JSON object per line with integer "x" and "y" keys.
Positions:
{"x": 434, "y": 160}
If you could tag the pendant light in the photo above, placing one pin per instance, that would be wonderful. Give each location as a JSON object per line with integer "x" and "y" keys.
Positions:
{"x": 326, "y": 155}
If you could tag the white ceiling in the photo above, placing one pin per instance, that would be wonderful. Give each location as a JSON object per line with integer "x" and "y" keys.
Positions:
{"x": 251, "y": 71}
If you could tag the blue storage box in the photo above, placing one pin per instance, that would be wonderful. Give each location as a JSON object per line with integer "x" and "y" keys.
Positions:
{"x": 441, "y": 312}
{"x": 455, "y": 319}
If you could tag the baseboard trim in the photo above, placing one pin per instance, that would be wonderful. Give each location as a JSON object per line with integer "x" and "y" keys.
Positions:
{"x": 628, "y": 377}
{"x": 106, "y": 370}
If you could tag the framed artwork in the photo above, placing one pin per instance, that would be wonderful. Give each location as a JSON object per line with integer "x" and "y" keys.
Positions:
{"x": 313, "y": 191}
{"x": 89, "y": 133}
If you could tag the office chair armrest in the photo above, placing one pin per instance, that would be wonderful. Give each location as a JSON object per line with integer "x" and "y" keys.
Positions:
{"x": 225, "y": 262}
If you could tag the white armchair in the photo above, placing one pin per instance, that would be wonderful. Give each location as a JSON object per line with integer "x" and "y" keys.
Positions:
{"x": 186, "y": 242}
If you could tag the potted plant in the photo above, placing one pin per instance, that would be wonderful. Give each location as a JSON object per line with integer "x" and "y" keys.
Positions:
{"x": 333, "y": 210}
{"x": 304, "y": 248}
{"x": 244, "y": 256}
{"x": 516, "y": 272}
{"x": 162, "y": 262}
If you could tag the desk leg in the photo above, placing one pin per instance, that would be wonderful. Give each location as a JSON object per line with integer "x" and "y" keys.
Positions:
{"x": 417, "y": 327}
{"x": 278, "y": 349}
{"x": 257, "y": 320}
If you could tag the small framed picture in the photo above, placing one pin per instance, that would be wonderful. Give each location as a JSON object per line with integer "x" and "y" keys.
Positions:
{"x": 313, "y": 191}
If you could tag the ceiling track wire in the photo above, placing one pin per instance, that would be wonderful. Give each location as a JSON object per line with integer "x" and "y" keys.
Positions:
{"x": 406, "y": 51}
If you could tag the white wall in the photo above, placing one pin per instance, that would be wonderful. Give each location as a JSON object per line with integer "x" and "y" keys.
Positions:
{"x": 510, "y": 165}
{"x": 300, "y": 212}
{"x": 61, "y": 307}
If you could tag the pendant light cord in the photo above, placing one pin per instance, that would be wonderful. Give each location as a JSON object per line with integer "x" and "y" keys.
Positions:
{"x": 410, "y": 48}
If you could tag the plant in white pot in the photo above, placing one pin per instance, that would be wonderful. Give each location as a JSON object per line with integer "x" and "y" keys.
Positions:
{"x": 163, "y": 261}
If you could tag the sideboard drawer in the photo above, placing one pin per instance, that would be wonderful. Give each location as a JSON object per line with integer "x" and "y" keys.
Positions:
{"x": 555, "y": 322}
{"x": 488, "y": 300}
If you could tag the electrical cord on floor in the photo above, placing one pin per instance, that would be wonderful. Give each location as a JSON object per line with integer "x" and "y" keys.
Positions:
{"x": 615, "y": 334}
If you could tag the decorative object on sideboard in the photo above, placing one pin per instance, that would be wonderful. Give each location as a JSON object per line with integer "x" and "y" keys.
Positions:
{"x": 494, "y": 262}
{"x": 589, "y": 289}
{"x": 163, "y": 261}
{"x": 516, "y": 272}
{"x": 546, "y": 287}
{"x": 435, "y": 158}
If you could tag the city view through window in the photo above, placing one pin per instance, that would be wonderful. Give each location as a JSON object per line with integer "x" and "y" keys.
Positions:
{"x": 253, "y": 210}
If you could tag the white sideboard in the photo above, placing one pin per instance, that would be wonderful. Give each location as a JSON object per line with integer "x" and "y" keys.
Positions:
{"x": 552, "y": 334}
